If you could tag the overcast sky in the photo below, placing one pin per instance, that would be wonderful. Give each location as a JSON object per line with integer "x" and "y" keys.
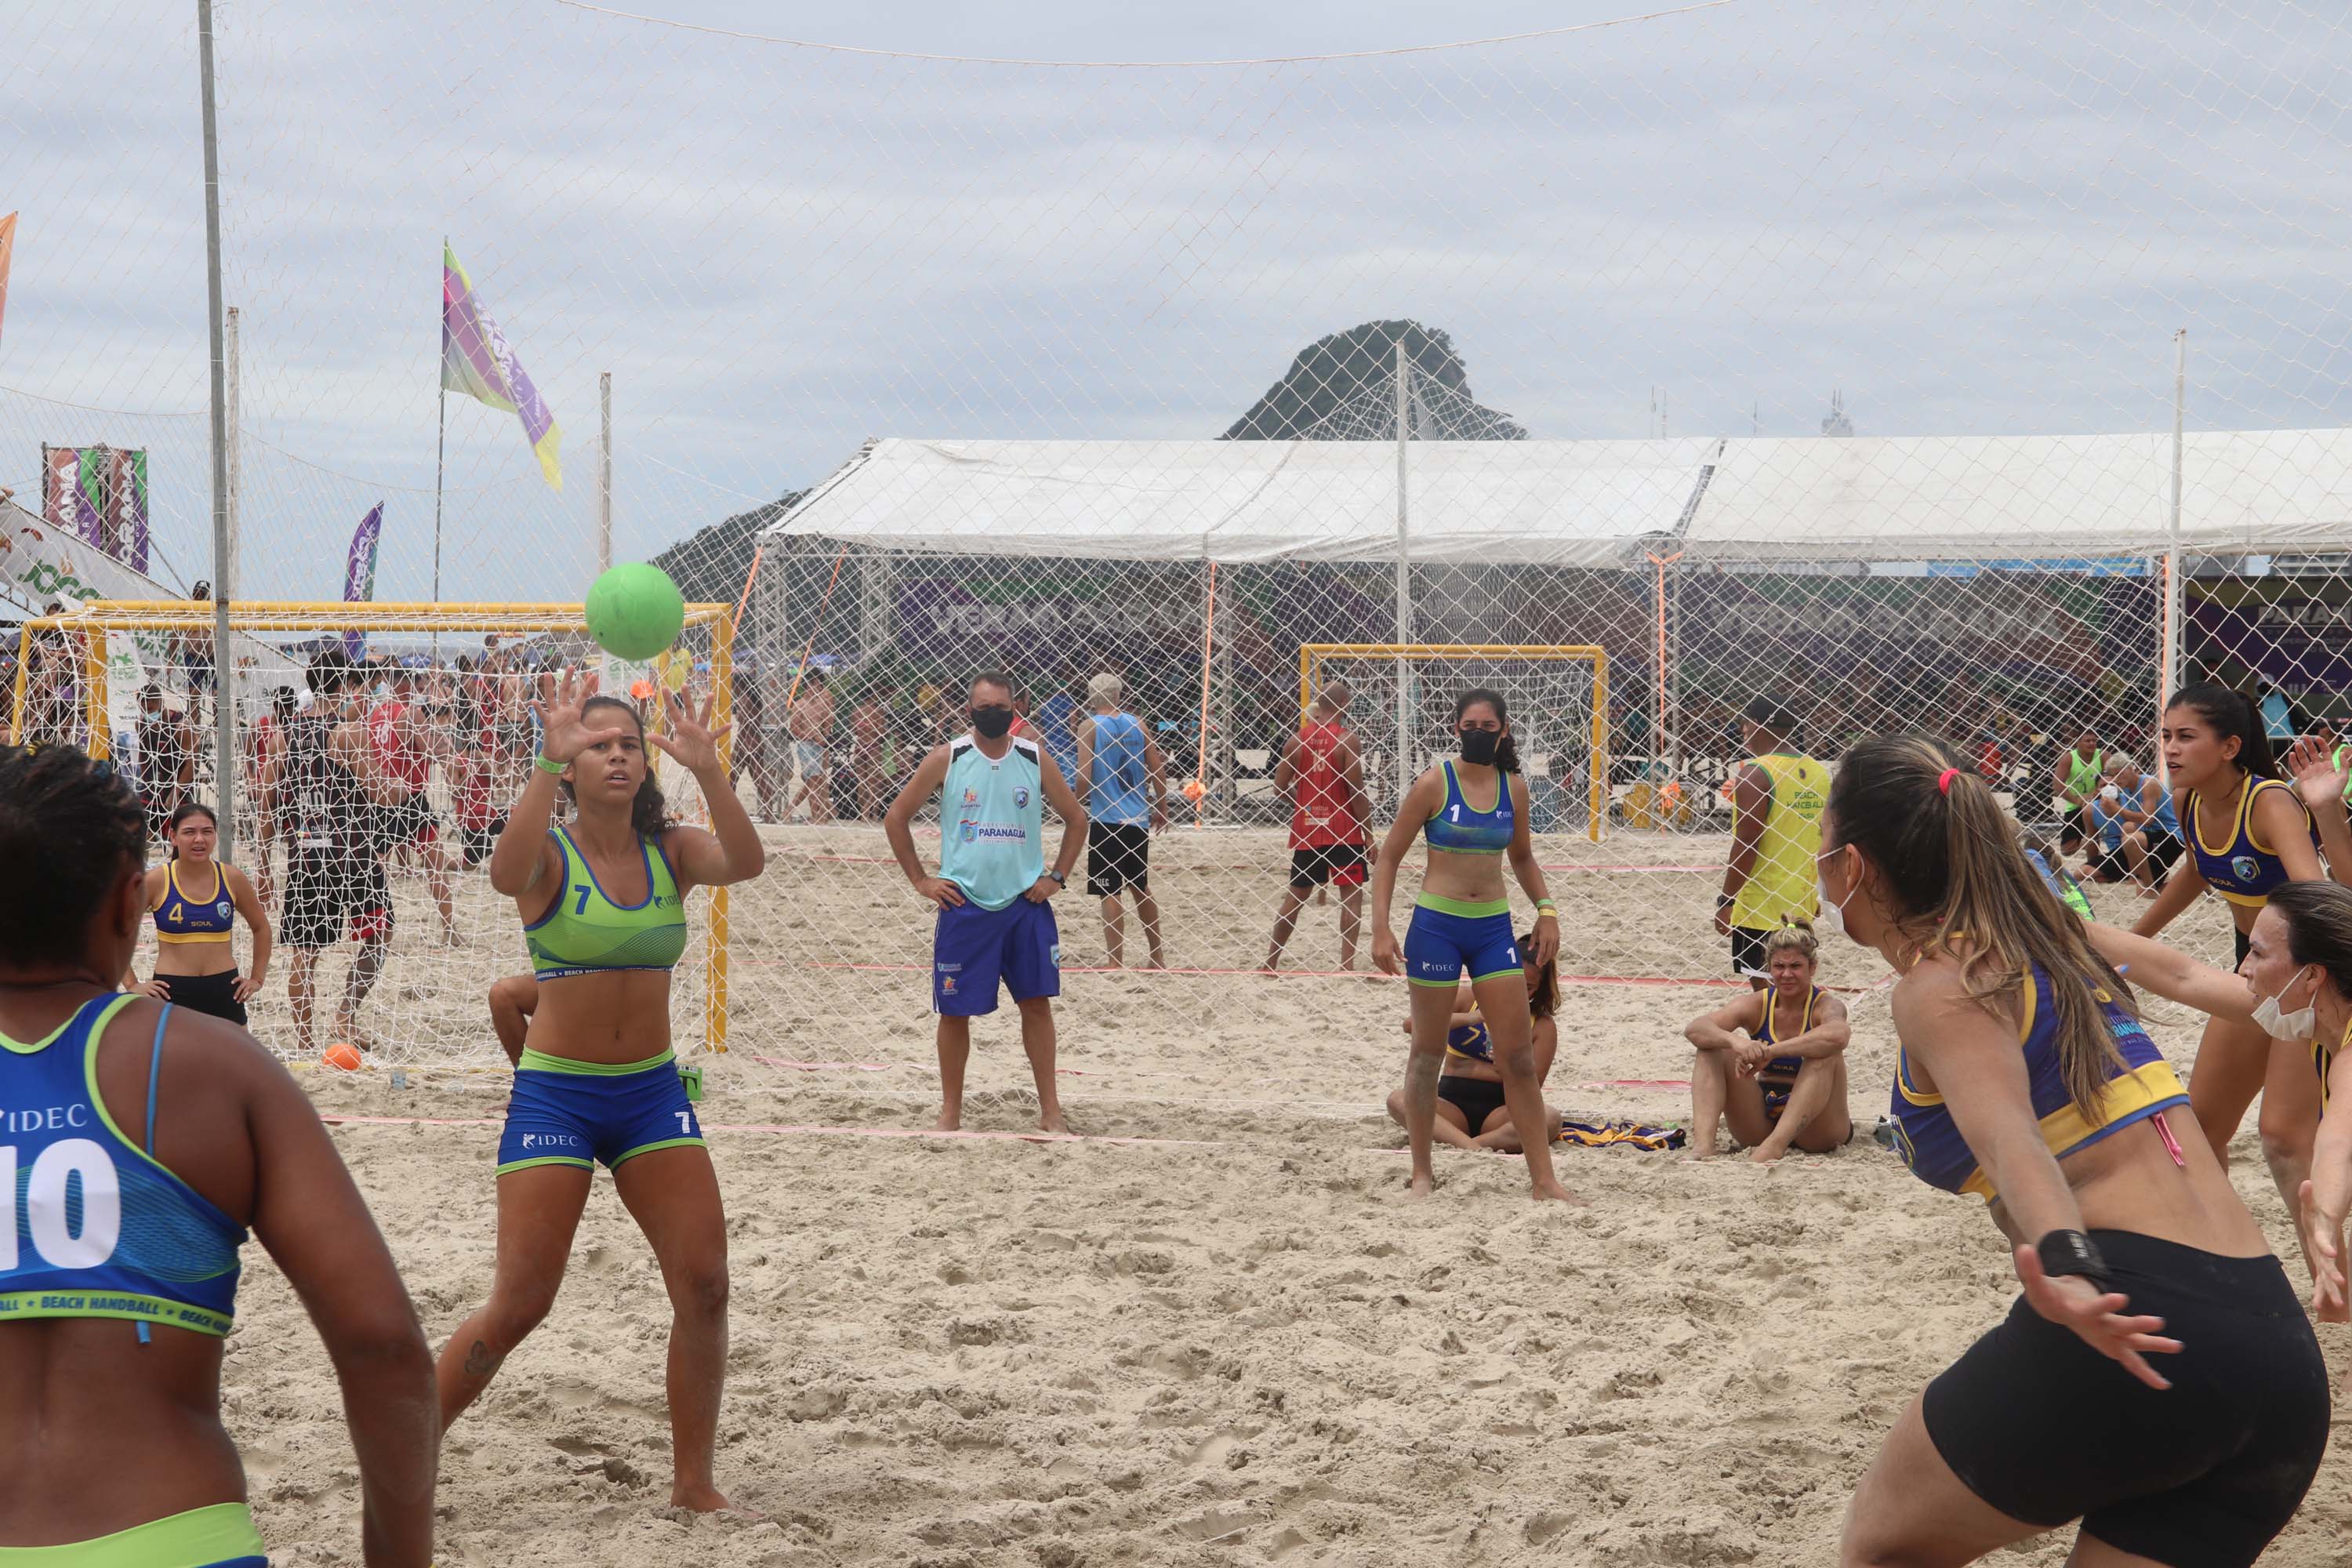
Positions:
{"x": 1973, "y": 218}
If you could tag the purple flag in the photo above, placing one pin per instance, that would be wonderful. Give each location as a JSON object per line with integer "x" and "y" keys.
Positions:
{"x": 476, "y": 360}
{"x": 359, "y": 569}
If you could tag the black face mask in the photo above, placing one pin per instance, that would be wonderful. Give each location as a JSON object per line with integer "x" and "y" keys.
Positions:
{"x": 991, "y": 723}
{"x": 1479, "y": 746}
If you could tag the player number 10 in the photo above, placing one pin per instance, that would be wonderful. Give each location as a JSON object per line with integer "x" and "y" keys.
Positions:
{"x": 45, "y": 1205}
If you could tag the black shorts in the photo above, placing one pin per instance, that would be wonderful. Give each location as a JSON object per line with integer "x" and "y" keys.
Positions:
{"x": 213, "y": 994}
{"x": 1118, "y": 854}
{"x": 2163, "y": 850}
{"x": 2045, "y": 1429}
{"x": 475, "y": 844}
{"x": 410, "y": 821}
{"x": 2111, "y": 865}
{"x": 1477, "y": 1097}
{"x": 331, "y": 894}
{"x": 2238, "y": 940}
{"x": 1749, "y": 960}
{"x": 1341, "y": 865}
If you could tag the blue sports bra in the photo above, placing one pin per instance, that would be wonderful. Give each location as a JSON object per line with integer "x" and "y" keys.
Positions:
{"x": 101, "y": 1229}
{"x": 1461, "y": 828}
{"x": 2243, "y": 870}
{"x": 179, "y": 918}
{"x": 1783, "y": 1067}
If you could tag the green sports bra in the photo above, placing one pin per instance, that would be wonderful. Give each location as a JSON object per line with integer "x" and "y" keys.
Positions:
{"x": 584, "y": 933}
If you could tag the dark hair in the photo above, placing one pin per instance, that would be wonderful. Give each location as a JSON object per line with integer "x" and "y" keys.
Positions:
{"x": 330, "y": 670}
{"x": 648, "y": 812}
{"x": 181, "y": 813}
{"x": 1795, "y": 935}
{"x": 2318, "y": 928}
{"x": 1545, "y": 996}
{"x": 70, "y": 829}
{"x": 2231, "y": 713}
{"x": 1951, "y": 860}
{"x": 1507, "y": 754}
{"x": 1773, "y": 714}
{"x": 992, "y": 677}
{"x": 282, "y": 699}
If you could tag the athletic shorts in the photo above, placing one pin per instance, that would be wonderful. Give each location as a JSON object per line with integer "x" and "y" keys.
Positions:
{"x": 411, "y": 821}
{"x": 1447, "y": 937}
{"x": 973, "y": 949}
{"x": 219, "y": 1536}
{"x": 2163, "y": 850}
{"x": 1748, "y": 956}
{"x": 2202, "y": 1474}
{"x": 565, "y": 1112}
{"x": 2241, "y": 946}
{"x": 331, "y": 894}
{"x": 1341, "y": 865}
{"x": 475, "y": 844}
{"x": 215, "y": 995}
{"x": 2111, "y": 865}
{"x": 1476, "y": 1098}
{"x": 1118, "y": 854}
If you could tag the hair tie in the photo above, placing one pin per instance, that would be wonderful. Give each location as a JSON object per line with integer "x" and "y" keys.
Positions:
{"x": 1944, "y": 780}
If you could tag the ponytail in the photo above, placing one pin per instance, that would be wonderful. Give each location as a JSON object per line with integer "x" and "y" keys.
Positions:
{"x": 1961, "y": 883}
{"x": 1506, "y": 750}
{"x": 2231, "y": 712}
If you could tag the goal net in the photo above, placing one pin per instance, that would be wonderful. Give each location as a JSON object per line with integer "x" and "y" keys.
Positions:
{"x": 452, "y": 685}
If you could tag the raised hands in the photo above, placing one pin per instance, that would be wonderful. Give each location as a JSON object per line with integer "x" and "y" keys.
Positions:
{"x": 686, "y": 736}
{"x": 2312, "y": 764}
{"x": 564, "y": 734}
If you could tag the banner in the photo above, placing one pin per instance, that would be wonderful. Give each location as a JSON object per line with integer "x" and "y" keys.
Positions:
{"x": 476, "y": 360}
{"x": 359, "y": 571}
{"x": 99, "y": 493}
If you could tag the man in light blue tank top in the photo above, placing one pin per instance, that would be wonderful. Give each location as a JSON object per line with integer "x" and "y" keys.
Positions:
{"x": 1125, "y": 781}
{"x": 995, "y": 923}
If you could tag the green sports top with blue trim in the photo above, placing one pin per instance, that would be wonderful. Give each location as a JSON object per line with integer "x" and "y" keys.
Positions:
{"x": 584, "y": 933}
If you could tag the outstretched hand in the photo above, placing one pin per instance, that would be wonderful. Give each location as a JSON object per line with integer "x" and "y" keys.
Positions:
{"x": 2323, "y": 1248}
{"x": 2096, "y": 1318}
{"x": 686, "y": 736}
{"x": 2311, "y": 763}
{"x": 564, "y": 734}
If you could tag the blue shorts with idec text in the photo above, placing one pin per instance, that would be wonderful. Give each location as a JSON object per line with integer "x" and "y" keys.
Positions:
{"x": 974, "y": 949}
{"x": 1447, "y": 937}
{"x": 567, "y": 1112}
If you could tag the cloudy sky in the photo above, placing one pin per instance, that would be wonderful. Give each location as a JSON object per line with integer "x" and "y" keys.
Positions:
{"x": 1974, "y": 218}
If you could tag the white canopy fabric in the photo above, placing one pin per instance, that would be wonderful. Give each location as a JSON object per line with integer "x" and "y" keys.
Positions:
{"x": 1591, "y": 503}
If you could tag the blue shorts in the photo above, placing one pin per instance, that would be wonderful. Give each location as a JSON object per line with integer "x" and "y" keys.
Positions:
{"x": 1447, "y": 937}
{"x": 975, "y": 947}
{"x": 577, "y": 1114}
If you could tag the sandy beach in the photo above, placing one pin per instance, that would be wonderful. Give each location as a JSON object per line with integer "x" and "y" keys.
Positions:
{"x": 1227, "y": 1336}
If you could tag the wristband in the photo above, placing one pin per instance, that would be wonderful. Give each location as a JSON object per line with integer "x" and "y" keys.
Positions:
{"x": 544, "y": 765}
{"x": 1724, "y": 901}
{"x": 2071, "y": 1252}
{"x": 1546, "y": 906}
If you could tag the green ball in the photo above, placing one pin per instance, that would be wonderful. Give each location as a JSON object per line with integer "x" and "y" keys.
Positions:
{"x": 636, "y": 612}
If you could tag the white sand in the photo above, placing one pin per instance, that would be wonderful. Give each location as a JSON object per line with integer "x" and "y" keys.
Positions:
{"x": 1245, "y": 1348}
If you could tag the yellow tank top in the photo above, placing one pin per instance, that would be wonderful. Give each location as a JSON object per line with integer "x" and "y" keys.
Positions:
{"x": 1784, "y": 881}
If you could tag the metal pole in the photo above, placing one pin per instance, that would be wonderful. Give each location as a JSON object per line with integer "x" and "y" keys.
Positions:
{"x": 229, "y": 571}
{"x": 604, "y": 477}
{"x": 440, "y": 446}
{"x": 224, "y": 710}
{"x": 1403, "y": 576}
{"x": 2175, "y": 633}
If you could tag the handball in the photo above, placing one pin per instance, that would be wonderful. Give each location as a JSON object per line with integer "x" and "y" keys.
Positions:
{"x": 340, "y": 1055}
{"x": 635, "y": 611}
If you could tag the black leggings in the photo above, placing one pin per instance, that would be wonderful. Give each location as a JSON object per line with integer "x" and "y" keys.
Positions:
{"x": 2202, "y": 1474}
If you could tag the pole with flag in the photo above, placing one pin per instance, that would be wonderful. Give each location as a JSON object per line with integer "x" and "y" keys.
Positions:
{"x": 359, "y": 571}
{"x": 476, "y": 360}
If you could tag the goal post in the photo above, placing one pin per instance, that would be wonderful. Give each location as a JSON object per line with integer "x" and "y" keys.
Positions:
{"x": 109, "y": 645}
{"x": 1558, "y": 694}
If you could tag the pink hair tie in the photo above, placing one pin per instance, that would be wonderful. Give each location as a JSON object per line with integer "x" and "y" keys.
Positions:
{"x": 1944, "y": 780}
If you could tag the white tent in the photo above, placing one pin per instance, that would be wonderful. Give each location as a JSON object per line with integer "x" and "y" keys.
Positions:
{"x": 1591, "y": 503}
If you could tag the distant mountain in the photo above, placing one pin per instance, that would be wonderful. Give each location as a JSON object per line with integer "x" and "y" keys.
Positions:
{"x": 709, "y": 567}
{"x": 1343, "y": 388}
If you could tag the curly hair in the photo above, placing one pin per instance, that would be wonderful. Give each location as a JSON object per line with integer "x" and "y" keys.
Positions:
{"x": 70, "y": 829}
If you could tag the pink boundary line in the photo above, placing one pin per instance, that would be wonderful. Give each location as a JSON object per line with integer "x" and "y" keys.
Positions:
{"x": 1278, "y": 974}
{"x": 1088, "y": 1072}
{"x": 1265, "y": 865}
{"x": 778, "y": 1129}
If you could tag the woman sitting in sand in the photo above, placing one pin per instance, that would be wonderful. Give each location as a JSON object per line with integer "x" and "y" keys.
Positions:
{"x": 1470, "y": 1109}
{"x": 1782, "y": 1081}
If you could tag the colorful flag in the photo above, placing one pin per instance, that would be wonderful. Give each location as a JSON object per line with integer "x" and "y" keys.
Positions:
{"x": 476, "y": 360}
{"x": 359, "y": 569}
{"x": 99, "y": 493}
{"x": 7, "y": 248}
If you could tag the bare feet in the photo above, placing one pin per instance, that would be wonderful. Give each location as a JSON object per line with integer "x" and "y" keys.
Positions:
{"x": 1157, "y": 963}
{"x": 948, "y": 1121}
{"x": 1764, "y": 1154}
{"x": 1053, "y": 1124}
{"x": 1422, "y": 1185}
{"x": 1556, "y": 1193}
{"x": 1698, "y": 1151}
{"x": 704, "y": 1498}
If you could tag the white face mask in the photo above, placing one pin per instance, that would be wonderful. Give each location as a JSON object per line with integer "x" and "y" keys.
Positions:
{"x": 2298, "y": 1025}
{"x": 1831, "y": 920}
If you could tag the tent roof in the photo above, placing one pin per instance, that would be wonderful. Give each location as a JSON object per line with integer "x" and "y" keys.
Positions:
{"x": 1591, "y": 503}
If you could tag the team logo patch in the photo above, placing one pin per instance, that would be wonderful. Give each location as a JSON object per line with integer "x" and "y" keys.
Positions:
{"x": 1021, "y": 797}
{"x": 2245, "y": 868}
{"x": 221, "y": 909}
{"x": 972, "y": 798}
{"x": 947, "y": 984}
{"x": 969, "y": 831}
{"x": 1054, "y": 954}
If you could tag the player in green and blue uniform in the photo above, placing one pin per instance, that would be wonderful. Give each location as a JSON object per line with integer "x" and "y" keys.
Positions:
{"x": 604, "y": 904}
{"x": 139, "y": 1140}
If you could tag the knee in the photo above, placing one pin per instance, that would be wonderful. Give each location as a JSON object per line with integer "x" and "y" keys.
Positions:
{"x": 699, "y": 1287}
{"x": 1516, "y": 1061}
{"x": 513, "y": 1313}
{"x": 2286, "y": 1140}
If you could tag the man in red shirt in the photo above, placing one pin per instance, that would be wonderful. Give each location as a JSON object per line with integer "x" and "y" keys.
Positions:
{"x": 404, "y": 743}
{"x": 1324, "y": 772}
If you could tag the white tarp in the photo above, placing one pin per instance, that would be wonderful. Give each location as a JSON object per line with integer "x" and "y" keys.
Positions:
{"x": 1592, "y": 502}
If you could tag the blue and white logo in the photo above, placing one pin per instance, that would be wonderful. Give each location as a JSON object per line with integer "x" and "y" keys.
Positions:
{"x": 2245, "y": 868}
{"x": 969, "y": 831}
{"x": 220, "y": 911}
{"x": 1021, "y": 797}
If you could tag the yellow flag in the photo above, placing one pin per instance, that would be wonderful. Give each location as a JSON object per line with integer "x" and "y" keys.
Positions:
{"x": 7, "y": 245}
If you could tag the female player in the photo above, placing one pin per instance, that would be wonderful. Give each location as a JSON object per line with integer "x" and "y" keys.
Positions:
{"x": 159, "y": 1136}
{"x": 1783, "y": 1083}
{"x": 1470, "y": 1109}
{"x": 603, "y": 902}
{"x": 2248, "y": 835}
{"x": 1461, "y": 921}
{"x": 2024, "y": 1075}
{"x": 195, "y": 958}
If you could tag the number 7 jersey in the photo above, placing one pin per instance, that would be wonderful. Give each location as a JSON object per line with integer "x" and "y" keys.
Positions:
{"x": 97, "y": 1226}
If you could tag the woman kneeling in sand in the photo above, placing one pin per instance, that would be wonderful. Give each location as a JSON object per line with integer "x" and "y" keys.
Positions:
{"x": 1782, "y": 1083}
{"x": 1470, "y": 1109}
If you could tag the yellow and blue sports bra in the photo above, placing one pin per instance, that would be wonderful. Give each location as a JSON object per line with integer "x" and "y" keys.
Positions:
{"x": 1783, "y": 1067}
{"x": 2243, "y": 870}
{"x": 179, "y": 918}
{"x": 1461, "y": 828}
{"x": 1468, "y": 1042}
{"x": 1929, "y": 1141}
{"x": 584, "y": 933}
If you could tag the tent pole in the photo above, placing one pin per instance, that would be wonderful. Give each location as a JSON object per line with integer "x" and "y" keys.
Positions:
{"x": 1403, "y": 578}
{"x": 2169, "y": 662}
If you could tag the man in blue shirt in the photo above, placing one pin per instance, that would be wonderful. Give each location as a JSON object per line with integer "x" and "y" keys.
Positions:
{"x": 1125, "y": 781}
{"x": 995, "y": 923}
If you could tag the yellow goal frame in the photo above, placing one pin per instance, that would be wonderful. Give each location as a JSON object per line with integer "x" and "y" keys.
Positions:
{"x": 1312, "y": 655}
{"x": 91, "y": 620}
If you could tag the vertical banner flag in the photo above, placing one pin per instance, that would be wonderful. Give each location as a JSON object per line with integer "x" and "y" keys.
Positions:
{"x": 359, "y": 569}
{"x": 126, "y": 520}
{"x": 476, "y": 360}
{"x": 99, "y": 494}
{"x": 7, "y": 249}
